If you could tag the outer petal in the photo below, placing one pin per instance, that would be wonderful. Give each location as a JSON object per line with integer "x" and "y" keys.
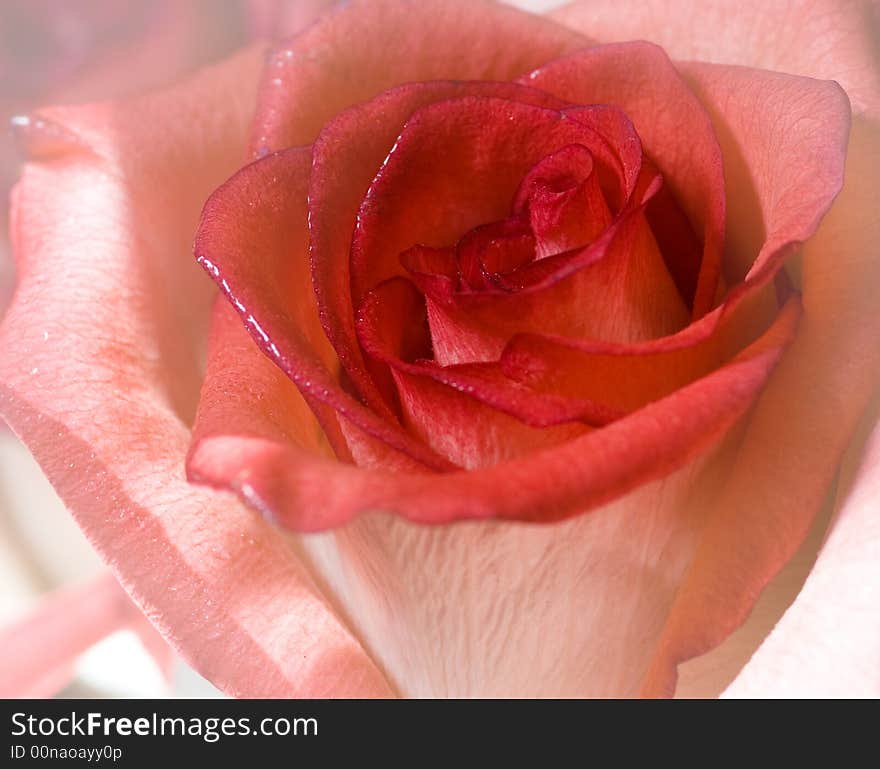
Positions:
{"x": 7, "y": 278}
{"x": 817, "y": 38}
{"x": 828, "y": 642}
{"x": 253, "y": 240}
{"x": 269, "y": 18}
{"x": 100, "y": 360}
{"x": 802, "y": 424}
{"x": 368, "y": 46}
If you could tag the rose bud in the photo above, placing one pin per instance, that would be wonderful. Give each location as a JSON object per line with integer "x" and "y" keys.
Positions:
{"x": 536, "y": 349}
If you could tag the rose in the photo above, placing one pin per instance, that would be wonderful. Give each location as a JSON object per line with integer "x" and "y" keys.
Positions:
{"x": 671, "y": 565}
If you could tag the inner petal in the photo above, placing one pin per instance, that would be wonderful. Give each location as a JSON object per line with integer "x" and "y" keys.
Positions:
{"x": 617, "y": 289}
{"x": 488, "y": 253}
{"x": 457, "y": 165}
{"x": 564, "y": 202}
{"x": 511, "y": 218}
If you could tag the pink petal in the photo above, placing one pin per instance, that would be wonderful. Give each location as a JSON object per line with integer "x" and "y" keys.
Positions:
{"x": 816, "y": 38}
{"x": 270, "y": 19}
{"x": 365, "y": 47}
{"x": 828, "y": 642}
{"x": 100, "y": 374}
{"x": 453, "y": 610}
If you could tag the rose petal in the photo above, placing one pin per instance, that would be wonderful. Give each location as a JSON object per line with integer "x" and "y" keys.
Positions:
{"x": 350, "y": 56}
{"x": 782, "y": 173}
{"x": 101, "y": 350}
{"x": 616, "y": 289}
{"x": 386, "y": 322}
{"x": 792, "y": 190}
{"x": 816, "y": 38}
{"x": 365, "y": 47}
{"x": 483, "y": 255}
{"x": 672, "y": 124}
{"x": 469, "y": 432}
{"x": 453, "y": 418}
{"x": 307, "y": 493}
{"x": 455, "y": 633}
{"x": 626, "y": 377}
{"x": 564, "y": 201}
{"x": 456, "y": 611}
{"x": 488, "y": 170}
{"x": 267, "y": 19}
{"x": 828, "y": 642}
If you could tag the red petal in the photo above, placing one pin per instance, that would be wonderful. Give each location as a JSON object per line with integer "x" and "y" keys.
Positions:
{"x": 617, "y": 289}
{"x": 471, "y": 162}
{"x": 564, "y": 201}
{"x": 674, "y": 129}
{"x": 625, "y": 377}
{"x": 546, "y": 485}
{"x": 347, "y": 155}
{"x": 485, "y": 253}
{"x": 474, "y": 403}
{"x": 480, "y": 151}
{"x": 253, "y": 240}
